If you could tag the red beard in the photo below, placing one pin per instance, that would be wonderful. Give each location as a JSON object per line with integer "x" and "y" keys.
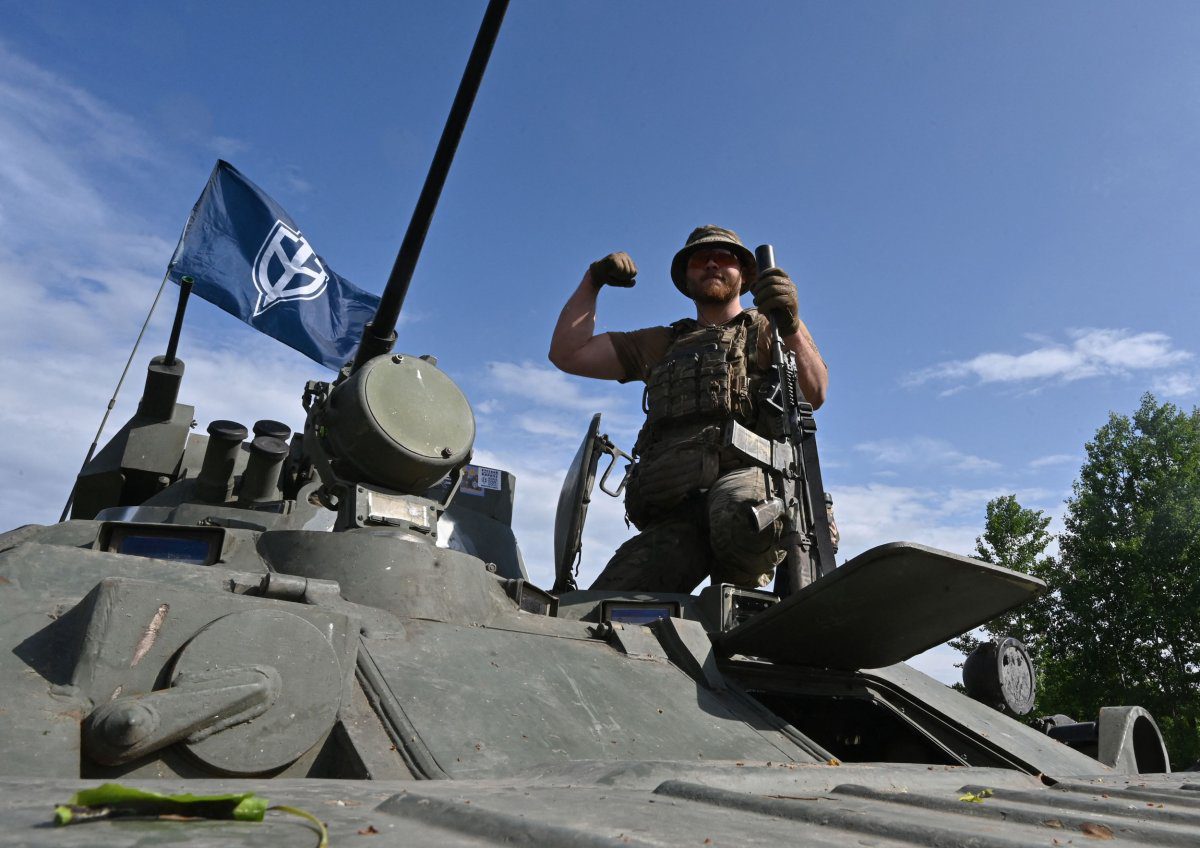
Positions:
{"x": 714, "y": 289}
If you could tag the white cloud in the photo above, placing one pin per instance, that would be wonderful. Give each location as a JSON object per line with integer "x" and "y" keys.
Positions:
{"x": 950, "y": 519}
{"x": 74, "y": 264}
{"x": 1090, "y": 353}
{"x": 973, "y": 502}
{"x": 541, "y": 426}
{"x": 52, "y": 135}
{"x": 295, "y": 183}
{"x": 876, "y": 513}
{"x": 544, "y": 385}
{"x": 924, "y": 451}
{"x": 1176, "y": 384}
{"x": 545, "y": 409}
{"x": 1119, "y": 350}
{"x": 220, "y": 379}
{"x": 1053, "y": 459}
{"x": 227, "y": 146}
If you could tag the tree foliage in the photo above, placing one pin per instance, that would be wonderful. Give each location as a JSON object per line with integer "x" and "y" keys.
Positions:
{"x": 1016, "y": 538}
{"x": 1121, "y": 625}
{"x": 1126, "y": 624}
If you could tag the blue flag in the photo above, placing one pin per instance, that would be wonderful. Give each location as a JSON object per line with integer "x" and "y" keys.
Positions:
{"x": 248, "y": 257}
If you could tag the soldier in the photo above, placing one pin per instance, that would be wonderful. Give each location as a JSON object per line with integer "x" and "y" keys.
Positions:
{"x": 688, "y": 495}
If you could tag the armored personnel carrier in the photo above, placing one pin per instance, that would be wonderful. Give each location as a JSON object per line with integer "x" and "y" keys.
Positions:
{"x": 341, "y": 620}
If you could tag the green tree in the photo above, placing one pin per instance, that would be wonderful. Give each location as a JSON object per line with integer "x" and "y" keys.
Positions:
{"x": 1016, "y": 538}
{"x": 1125, "y": 617}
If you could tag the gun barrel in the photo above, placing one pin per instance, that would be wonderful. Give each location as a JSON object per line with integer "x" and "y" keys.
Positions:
{"x": 380, "y": 334}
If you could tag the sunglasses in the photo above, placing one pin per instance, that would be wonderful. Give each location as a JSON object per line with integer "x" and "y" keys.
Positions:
{"x": 722, "y": 257}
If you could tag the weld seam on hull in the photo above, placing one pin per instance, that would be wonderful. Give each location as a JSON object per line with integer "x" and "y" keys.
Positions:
{"x": 495, "y": 826}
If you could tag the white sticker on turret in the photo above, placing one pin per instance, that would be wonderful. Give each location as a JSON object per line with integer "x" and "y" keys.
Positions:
{"x": 489, "y": 478}
{"x": 476, "y": 478}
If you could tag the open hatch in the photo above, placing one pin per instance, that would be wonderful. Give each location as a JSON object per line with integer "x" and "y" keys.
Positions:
{"x": 574, "y": 498}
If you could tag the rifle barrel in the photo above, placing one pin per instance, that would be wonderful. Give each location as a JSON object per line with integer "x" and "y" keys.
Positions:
{"x": 764, "y": 255}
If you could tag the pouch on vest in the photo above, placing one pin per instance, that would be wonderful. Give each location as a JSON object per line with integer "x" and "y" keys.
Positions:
{"x": 667, "y": 473}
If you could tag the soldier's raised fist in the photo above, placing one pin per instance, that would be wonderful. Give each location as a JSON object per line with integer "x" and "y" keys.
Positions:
{"x": 616, "y": 269}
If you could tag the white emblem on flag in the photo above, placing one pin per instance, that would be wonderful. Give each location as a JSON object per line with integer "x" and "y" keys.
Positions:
{"x": 280, "y": 275}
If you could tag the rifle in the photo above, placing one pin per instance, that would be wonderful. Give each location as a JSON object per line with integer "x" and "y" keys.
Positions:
{"x": 792, "y": 464}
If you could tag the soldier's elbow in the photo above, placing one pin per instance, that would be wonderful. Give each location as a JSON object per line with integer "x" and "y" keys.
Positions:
{"x": 562, "y": 360}
{"x": 557, "y": 358}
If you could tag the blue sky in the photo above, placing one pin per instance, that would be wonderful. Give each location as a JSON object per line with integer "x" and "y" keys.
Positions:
{"x": 990, "y": 210}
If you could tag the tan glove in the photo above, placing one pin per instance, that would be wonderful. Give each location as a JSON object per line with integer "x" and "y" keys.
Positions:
{"x": 775, "y": 295}
{"x": 616, "y": 269}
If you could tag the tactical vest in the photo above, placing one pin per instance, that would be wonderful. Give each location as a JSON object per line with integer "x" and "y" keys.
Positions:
{"x": 708, "y": 376}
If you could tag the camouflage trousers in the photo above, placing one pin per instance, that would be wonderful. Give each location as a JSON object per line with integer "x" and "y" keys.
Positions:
{"x": 710, "y": 534}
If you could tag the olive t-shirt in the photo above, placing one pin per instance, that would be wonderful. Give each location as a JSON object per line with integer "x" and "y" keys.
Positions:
{"x": 641, "y": 350}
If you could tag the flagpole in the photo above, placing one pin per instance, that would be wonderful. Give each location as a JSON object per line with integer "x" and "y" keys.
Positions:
{"x": 380, "y": 334}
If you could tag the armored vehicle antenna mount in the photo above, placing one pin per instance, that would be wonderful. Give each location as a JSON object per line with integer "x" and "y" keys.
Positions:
{"x": 141, "y": 458}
